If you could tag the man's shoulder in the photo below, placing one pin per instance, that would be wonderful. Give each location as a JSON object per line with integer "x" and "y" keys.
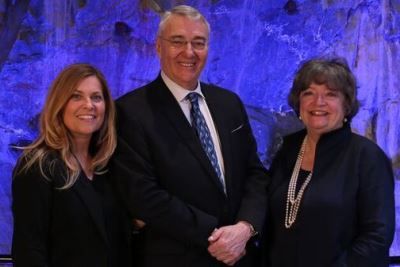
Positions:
{"x": 218, "y": 91}
{"x": 131, "y": 95}
{"x": 211, "y": 86}
{"x": 137, "y": 95}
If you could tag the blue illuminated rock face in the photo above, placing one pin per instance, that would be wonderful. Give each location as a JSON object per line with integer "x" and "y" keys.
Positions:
{"x": 256, "y": 46}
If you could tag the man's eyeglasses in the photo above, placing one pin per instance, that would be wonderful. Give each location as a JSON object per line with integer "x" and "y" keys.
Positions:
{"x": 197, "y": 44}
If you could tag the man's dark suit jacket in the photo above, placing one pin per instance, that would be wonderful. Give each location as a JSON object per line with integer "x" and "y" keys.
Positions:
{"x": 66, "y": 228}
{"x": 169, "y": 182}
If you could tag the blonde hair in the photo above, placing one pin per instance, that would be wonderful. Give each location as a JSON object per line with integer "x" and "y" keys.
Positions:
{"x": 54, "y": 135}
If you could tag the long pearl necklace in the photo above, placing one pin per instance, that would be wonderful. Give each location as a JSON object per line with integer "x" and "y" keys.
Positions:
{"x": 293, "y": 201}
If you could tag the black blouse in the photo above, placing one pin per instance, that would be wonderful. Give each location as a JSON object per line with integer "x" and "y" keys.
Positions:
{"x": 346, "y": 217}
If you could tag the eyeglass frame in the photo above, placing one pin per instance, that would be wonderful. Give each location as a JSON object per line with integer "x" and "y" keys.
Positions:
{"x": 180, "y": 43}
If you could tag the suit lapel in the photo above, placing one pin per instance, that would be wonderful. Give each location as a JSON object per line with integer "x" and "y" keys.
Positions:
{"x": 169, "y": 107}
{"x": 93, "y": 204}
{"x": 220, "y": 121}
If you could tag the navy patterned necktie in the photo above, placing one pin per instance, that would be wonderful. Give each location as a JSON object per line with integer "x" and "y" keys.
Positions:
{"x": 199, "y": 123}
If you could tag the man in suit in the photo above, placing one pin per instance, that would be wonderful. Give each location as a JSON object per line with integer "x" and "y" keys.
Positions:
{"x": 186, "y": 158}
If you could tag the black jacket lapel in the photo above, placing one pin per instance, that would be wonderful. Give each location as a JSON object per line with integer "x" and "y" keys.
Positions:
{"x": 219, "y": 116}
{"x": 93, "y": 203}
{"x": 168, "y": 106}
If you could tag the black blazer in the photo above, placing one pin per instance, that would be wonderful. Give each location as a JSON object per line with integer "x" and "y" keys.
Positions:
{"x": 59, "y": 228}
{"x": 346, "y": 217}
{"x": 169, "y": 182}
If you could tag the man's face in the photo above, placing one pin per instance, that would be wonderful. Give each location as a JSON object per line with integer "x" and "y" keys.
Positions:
{"x": 180, "y": 60}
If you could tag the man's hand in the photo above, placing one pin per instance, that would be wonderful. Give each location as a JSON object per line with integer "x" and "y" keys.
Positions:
{"x": 228, "y": 243}
{"x": 138, "y": 224}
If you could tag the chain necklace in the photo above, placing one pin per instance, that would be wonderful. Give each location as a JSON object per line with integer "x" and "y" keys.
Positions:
{"x": 293, "y": 201}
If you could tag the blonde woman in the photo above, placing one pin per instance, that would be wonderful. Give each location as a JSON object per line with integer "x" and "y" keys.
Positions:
{"x": 64, "y": 206}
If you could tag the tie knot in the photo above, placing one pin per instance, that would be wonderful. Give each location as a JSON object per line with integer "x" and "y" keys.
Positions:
{"x": 193, "y": 97}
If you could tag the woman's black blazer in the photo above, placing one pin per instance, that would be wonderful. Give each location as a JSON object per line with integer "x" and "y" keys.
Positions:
{"x": 54, "y": 227}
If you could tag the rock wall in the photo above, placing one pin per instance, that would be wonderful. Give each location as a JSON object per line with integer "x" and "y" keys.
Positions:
{"x": 256, "y": 46}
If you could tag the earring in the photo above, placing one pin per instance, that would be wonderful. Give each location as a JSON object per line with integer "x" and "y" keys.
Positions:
{"x": 299, "y": 117}
{"x": 345, "y": 120}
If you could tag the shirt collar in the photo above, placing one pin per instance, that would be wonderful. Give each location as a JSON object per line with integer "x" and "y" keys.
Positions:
{"x": 178, "y": 91}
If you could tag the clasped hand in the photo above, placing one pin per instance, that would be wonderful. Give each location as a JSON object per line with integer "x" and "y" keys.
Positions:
{"x": 228, "y": 243}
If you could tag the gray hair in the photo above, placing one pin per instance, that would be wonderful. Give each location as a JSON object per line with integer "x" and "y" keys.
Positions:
{"x": 181, "y": 10}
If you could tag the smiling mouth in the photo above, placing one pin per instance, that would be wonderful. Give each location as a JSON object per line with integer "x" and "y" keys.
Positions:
{"x": 187, "y": 65}
{"x": 86, "y": 117}
{"x": 319, "y": 113}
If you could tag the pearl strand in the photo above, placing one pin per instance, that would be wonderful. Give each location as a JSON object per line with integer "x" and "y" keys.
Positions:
{"x": 293, "y": 201}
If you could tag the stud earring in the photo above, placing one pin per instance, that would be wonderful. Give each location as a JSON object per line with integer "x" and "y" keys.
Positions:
{"x": 299, "y": 117}
{"x": 345, "y": 120}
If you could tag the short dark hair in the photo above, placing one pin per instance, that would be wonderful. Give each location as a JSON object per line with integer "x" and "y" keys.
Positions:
{"x": 334, "y": 73}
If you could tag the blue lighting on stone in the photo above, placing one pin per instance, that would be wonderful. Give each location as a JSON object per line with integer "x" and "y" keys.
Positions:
{"x": 255, "y": 48}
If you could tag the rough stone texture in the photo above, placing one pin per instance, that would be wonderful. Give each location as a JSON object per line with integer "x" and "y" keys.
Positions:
{"x": 256, "y": 46}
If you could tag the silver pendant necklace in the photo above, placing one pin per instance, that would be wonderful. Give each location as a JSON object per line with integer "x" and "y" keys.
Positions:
{"x": 293, "y": 201}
